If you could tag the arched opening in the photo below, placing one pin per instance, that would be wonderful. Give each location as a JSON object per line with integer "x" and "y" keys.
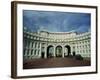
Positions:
{"x": 67, "y": 50}
{"x": 58, "y": 51}
{"x": 50, "y": 50}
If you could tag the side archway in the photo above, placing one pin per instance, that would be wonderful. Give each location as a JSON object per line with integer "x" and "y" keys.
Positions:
{"x": 67, "y": 50}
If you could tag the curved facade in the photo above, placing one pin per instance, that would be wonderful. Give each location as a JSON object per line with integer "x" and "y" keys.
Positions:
{"x": 44, "y": 44}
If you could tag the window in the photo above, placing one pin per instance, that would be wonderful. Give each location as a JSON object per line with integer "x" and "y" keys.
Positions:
{"x": 83, "y": 51}
{"x": 31, "y": 52}
{"x": 39, "y": 45}
{"x": 27, "y": 44}
{"x": 86, "y": 46}
{"x": 28, "y": 52}
{"x": 35, "y": 52}
{"x": 24, "y": 51}
{"x": 38, "y": 52}
{"x": 35, "y": 45}
{"x": 32, "y": 44}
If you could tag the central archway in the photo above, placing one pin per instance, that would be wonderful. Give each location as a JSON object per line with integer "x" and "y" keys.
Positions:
{"x": 50, "y": 50}
{"x": 59, "y": 51}
{"x": 67, "y": 50}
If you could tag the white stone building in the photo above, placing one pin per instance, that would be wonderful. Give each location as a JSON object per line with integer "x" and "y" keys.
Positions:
{"x": 44, "y": 44}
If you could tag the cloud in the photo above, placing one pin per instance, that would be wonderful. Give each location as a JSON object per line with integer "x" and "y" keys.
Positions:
{"x": 56, "y": 21}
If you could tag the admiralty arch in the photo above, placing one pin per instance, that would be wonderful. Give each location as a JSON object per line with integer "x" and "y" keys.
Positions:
{"x": 45, "y": 44}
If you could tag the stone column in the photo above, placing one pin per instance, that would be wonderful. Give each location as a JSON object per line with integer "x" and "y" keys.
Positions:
{"x": 45, "y": 51}
{"x": 33, "y": 45}
{"x": 30, "y": 48}
{"x": 40, "y": 50}
{"x": 33, "y": 48}
{"x": 71, "y": 49}
{"x": 63, "y": 51}
{"x": 27, "y": 44}
{"x": 25, "y": 52}
{"x": 30, "y": 45}
{"x": 54, "y": 51}
{"x": 77, "y": 48}
{"x": 37, "y": 48}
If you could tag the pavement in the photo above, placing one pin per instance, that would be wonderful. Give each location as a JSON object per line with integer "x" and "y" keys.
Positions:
{"x": 55, "y": 62}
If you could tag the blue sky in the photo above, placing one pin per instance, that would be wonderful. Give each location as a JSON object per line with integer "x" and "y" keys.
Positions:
{"x": 56, "y": 21}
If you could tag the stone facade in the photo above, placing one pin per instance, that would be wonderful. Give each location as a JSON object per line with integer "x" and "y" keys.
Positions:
{"x": 44, "y": 44}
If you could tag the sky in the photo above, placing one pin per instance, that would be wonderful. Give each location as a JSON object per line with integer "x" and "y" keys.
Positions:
{"x": 53, "y": 21}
